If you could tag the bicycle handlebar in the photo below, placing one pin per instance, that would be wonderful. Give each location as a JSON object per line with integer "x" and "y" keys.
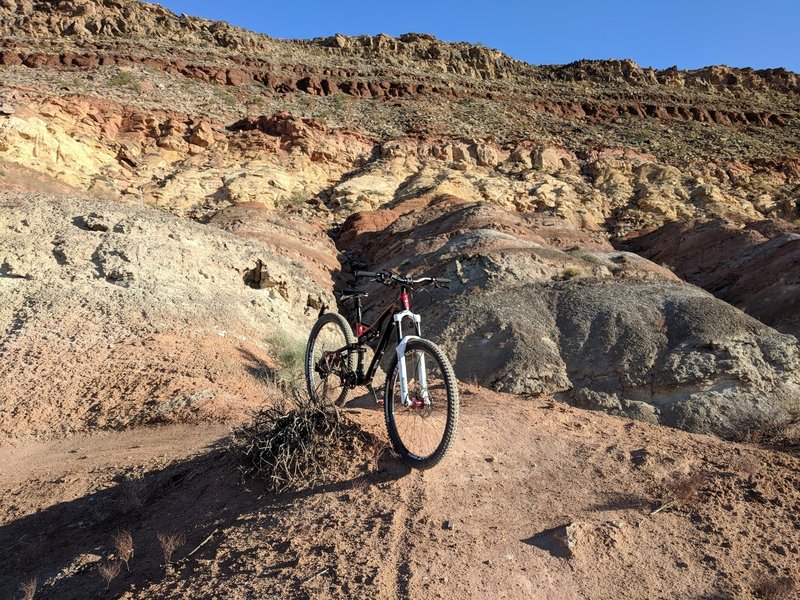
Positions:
{"x": 387, "y": 277}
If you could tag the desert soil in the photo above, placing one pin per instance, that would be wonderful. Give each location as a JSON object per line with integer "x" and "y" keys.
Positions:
{"x": 483, "y": 524}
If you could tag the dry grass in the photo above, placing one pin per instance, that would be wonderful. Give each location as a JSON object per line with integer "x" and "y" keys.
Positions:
{"x": 108, "y": 570}
{"x": 746, "y": 465}
{"x": 123, "y": 542}
{"x": 290, "y": 354}
{"x": 170, "y": 541}
{"x": 780, "y": 431}
{"x": 571, "y": 272}
{"x": 775, "y": 588}
{"x": 683, "y": 490}
{"x": 28, "y": 588}
{"x": 133, "y": 495}
{"x": 301, "y": 445}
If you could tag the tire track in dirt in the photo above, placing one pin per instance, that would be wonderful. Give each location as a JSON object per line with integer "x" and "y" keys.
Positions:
{"x": 413, "y": 499}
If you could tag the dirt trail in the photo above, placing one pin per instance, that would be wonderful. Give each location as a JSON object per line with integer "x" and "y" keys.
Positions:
{"x": 477, "y": 526}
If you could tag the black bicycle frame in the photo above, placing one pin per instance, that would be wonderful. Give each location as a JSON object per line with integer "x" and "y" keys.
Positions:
{"x": 369, "y": 333}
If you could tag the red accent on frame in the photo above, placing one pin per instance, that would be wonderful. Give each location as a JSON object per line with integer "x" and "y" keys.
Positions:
{"x": 404, "y": 300}
{"x": 361, "y": 329}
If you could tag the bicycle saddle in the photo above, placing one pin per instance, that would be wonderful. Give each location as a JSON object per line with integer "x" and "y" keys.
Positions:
{"x": 351, "y": 293}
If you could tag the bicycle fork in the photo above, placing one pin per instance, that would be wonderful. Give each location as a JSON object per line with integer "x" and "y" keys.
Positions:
{"x": 402, "y": 366}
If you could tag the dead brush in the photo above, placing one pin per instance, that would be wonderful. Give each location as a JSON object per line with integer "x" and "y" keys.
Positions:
{"x": 779, "y": 430}
{"x": 123, "y": 542}
{"x": 775, "y": 588}
{"x": 28, "y": 588}
{"x": 683, "y": 490}
{"x": 299, "y": 445}
{"x": 108, "y": 570}
{"x": 170, "y": 541}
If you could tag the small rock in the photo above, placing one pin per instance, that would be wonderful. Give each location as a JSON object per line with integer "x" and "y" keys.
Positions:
{"x": 448, "y": 525}
{"x": 6, "y": 109}
{"x": 202, "y": 135}
{"x": 559, "y": 541}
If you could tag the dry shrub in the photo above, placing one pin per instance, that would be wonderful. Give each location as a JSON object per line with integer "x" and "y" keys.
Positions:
{"x": 170, "y": 541}
{"x": 133, "y": 495}
{"x": 685, "y": 490}
{"x": 746, "y": 465}
{"x": 780, "y": 429}
{"x": 108, "y": 570}
{"x": 775, "y": 588}
{"x": 28, "y": 588}
{"x": 299, "y": 446}
{"x": 123, "y": 542}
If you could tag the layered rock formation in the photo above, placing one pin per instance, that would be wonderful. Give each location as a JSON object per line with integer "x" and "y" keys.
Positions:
{"x": 410, "y": 153}
{"x": 539, "y": 307}
{"x": 755, "y": 266}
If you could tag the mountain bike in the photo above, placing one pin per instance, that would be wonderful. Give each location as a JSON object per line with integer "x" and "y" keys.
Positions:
{"x": 420, "y": 400}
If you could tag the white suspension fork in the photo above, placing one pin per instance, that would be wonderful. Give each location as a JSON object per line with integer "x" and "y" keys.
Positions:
{"x": 421, "y": 371}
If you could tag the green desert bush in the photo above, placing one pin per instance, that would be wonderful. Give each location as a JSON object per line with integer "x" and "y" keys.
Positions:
{"x": 289, "y": 352}
{"x": 124, "y": 79}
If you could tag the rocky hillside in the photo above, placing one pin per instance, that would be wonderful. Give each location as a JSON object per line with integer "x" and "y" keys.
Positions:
{"x": 230, "y": 180}
{"x": 179, "y": 198}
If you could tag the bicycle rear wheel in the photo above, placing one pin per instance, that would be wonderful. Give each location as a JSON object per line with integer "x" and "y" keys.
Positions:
{"x": 423, "y": 427}
{"x": 328, "y": 362}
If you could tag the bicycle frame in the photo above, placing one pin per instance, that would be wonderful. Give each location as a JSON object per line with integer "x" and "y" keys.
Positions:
{"x": 367, "y": 333}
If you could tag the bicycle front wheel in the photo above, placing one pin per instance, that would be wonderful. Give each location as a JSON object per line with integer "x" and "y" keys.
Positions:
{"x": 422, "y": 426}
{"x": 328, "y": 361}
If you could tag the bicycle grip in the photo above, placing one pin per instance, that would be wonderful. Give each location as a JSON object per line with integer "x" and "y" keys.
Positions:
{"x": 365, "y": 274}
{"x": 443, "y": 280}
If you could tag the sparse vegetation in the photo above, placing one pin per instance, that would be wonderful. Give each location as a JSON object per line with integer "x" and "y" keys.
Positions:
{"x": 746, "y": 465}
{"x": 133, "y": 492}
{"x": 570, "y": 272}
{"x": 170, "y": 541}
{"x": 300, "y": 445}
{"x": 123, "y": 542}
{"x": 125, "y": 79}
{"x": 775, "y": 588}
{"x": 108, "y": 570}
{"x": 683, "y": 490}
{"x": 290, "y": 353}
{"x": 225, "y": 97}
{"x": 294, "y": 198}
{"x": 339, "y": 101}
{"x": 28, "y": 588}
{"x": 779, "y": 430}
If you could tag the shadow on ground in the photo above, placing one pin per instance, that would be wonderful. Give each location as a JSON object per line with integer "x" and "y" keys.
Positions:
{"x": 198, "y": 498}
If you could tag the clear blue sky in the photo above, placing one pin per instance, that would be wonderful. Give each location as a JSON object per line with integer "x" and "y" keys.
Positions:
{"x": 686, "y": 33}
